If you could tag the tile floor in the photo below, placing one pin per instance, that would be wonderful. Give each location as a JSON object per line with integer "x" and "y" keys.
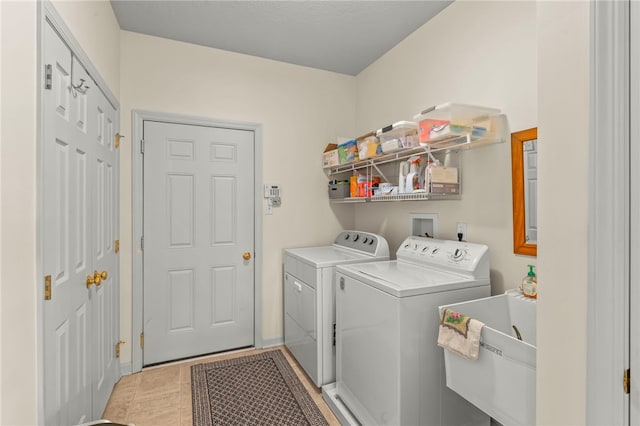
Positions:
{"x": 162, "y": 395}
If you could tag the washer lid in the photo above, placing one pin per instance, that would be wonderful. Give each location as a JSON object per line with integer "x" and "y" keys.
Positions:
{"x": 322, "y": 257}
{"x": 401, "y": 279}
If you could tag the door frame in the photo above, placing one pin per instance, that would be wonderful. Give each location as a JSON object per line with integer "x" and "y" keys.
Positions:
{"x": 48, "y": 15}
{"x": 137, "y": 123}
{"x": 611, "y": 206}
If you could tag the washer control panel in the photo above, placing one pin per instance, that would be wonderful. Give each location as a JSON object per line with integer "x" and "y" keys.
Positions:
{"x": 453, "y": 255}
{"x": 363, "y": 241}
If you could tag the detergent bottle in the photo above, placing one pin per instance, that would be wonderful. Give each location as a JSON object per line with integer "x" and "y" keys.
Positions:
{"x": 413, "y": 179}
{"x": 402, "y": 177}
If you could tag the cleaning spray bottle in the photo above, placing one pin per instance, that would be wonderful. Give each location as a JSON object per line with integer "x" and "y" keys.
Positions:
{"x": 413, "y": 180}
{"x": 530, "y": 284}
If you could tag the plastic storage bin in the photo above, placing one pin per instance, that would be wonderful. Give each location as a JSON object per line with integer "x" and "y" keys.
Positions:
{"x": 449, "y": 120}
{"x": 403, "y": 134}
{"x": 339, "y": 189}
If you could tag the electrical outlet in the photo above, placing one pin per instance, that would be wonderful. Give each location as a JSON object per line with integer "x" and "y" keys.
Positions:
{"x": 461, "y": 231}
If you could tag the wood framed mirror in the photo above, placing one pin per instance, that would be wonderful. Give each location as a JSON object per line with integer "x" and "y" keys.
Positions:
{"x": 524, "y": 155}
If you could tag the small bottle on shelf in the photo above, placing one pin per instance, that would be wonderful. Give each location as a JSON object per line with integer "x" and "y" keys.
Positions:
{"x": 530, "y": 284}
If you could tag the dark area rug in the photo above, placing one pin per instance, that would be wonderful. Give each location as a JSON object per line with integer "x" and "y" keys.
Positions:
{"x": 257, "y": 389}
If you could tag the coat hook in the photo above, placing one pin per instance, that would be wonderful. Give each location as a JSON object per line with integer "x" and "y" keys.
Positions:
{"x": 80, "y": 87}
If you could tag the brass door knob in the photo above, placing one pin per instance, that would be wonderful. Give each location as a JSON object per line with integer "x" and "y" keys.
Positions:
{"x": 246, "y": 255}
{"x": 96, "y": 278}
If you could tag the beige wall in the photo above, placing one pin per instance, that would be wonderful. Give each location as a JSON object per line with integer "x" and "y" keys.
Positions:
{"x": 18, "y": 368}
{"x": 563, "y": 108}
{"x": 474, "y": 52}
{"x": 95, "y": 27}
{"x": 299, "y": 109}
{"x": 19, "y": 386}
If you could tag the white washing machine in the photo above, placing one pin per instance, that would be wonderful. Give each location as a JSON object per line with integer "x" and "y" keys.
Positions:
{"x": 309, "y": 297}
{"x": 389, "y": 369}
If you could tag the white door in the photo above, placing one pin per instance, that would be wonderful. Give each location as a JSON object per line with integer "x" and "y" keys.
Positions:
{"x": 198, "y": 240}
{"x": 104, "y": 202}
{"x": 80, "y": 187}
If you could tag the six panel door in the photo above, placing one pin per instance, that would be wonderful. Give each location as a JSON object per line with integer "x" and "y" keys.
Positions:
{"x": 198, "y": 240}
{"x": 79, "y": 225}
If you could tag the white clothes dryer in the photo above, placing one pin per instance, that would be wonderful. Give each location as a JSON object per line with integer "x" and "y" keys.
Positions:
{"x": 389, "y": 369}
{"x": 309, "y": 297}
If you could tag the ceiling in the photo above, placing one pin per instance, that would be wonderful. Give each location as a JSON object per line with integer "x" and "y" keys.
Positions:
{"x": 337, "y": 35}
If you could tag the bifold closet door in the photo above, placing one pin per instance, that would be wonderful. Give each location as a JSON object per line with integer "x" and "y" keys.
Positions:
{"x": 79, "y": 216}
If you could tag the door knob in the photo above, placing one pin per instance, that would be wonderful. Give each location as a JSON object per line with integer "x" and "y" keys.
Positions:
{"x": 246, "y": 255}
{"x": 96, "y": 278}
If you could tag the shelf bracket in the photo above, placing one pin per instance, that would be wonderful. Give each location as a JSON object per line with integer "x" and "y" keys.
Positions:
{"x": 375, "y": 166}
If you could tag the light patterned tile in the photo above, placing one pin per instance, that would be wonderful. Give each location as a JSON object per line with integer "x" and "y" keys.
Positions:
{"x": 160, "y": 411}
{"x": 161, "y": 395}
{"x": 156, "y": 382}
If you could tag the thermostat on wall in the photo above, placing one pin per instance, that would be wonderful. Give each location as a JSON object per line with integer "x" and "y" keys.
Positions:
{"x": 272, "y": 191}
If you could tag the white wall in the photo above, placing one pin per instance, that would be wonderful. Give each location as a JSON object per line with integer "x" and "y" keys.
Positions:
{"x": 474, "y": 52}
{"x": 1, "y": 118}
{"x": 19, "y": 387}
{"x": 95, "y": 27}
{"x": 18, "y": 378}
{"x": 563, "y": 109}
{"x": 299, "y": 109}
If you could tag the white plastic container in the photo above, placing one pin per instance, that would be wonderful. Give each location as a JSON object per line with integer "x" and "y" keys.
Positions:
{"x": 403, "y": 134}
{"x": 451, "y": 119}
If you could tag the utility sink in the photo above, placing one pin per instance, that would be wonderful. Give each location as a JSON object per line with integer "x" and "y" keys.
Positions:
{"x": 502, "y": 381}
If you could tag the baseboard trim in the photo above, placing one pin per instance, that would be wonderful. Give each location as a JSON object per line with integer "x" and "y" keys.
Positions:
{"x": 126, "y": 369}
{"x": 270, "y": 343}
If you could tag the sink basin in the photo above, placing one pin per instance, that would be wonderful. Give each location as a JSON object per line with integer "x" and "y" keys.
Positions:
{"x": 502, "y": 381}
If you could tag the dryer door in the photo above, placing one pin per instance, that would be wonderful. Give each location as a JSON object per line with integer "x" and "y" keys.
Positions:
{"x": 300, "y": 329}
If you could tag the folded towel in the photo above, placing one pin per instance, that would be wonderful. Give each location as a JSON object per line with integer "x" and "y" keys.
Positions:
{"x": 459, "y": 334}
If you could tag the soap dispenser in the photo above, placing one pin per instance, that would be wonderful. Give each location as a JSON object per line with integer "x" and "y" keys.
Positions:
{"x": 530, "y": 284}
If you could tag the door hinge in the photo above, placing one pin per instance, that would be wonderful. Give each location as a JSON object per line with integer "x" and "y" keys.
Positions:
{"x": 141, "y": 146}
{"x": 117, "y": 138}
{"x": 118, "y": 348}
{"x": 142, "y": 340}
{"x": 117, "y": 246}
{"x": 627, "y": 381}
{"x": 47, "y": 287}
{"x": 48, "y": 76}
{"x": 142, "y": 243}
